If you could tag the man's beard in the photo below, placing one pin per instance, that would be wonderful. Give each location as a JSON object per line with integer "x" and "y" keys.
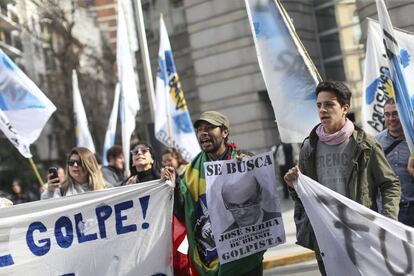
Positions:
{"x": 215, "y": 146}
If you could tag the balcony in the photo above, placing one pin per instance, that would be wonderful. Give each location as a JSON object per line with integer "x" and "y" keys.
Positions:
{"x": 7, "y": 24}
{"x": 13, "y": 2}
{"x": 11, "y": 51}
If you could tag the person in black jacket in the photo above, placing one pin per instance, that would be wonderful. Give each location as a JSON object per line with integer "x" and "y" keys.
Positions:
{"x": 143, "y": 166}
{"x": 114, "y": 172}
{"x": 18, "y": 194}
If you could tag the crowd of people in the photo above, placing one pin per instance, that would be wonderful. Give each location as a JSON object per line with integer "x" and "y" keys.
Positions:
{"x": 83, "y": 173}
{"x": 362, "y": 173}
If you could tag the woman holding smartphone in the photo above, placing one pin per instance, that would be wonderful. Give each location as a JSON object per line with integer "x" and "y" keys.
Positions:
{"x": 82, "y": 175}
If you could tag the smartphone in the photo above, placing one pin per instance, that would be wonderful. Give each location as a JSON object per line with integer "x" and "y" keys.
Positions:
{"x": 54, "y": 172}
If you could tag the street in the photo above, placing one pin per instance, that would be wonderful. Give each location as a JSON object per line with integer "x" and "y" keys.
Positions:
{"x": 280, "y": 258}
{"x": 301, "y": 269}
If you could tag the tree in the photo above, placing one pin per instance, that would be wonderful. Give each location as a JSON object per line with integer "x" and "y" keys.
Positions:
{"x": 65, "y": 48}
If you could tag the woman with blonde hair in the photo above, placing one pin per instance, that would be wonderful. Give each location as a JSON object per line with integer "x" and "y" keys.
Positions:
{"x": 82, "y": 175}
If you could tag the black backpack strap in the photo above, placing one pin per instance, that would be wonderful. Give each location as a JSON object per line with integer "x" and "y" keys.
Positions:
{"x": 392, "y": 146}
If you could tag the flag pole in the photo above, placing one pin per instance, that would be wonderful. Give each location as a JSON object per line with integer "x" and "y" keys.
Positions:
{"x": 143, "y": 45}
{"x": 169, "y": 126}
{"x": 39, "y": 178}
{"x": 294, "y": 33}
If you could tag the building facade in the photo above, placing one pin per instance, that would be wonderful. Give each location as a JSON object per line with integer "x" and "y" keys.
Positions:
{"x": 105, "y": 12}
{"x": 215, "y": 55}
{"x": 217, "y": 62}
{"x": 47, "y": 47}
{"x": 10, "y": 29}
{"x": 216, "y": 59}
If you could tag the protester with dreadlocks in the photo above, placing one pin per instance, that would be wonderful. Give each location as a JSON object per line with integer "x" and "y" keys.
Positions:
{"x": 212, "y": 133}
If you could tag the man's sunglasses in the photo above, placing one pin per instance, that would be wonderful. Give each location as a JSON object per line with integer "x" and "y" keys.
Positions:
{"x": 139, "y": 149}
{"x": 72, "y": 163}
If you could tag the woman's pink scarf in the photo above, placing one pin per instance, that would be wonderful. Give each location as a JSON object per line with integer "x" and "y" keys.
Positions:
{"x": 338, "y": 137}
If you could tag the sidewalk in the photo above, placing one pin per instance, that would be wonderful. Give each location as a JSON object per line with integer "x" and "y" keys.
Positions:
{"x": 289, "y": 252}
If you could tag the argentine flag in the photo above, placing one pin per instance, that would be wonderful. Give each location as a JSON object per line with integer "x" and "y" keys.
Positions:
{"x": 24, "y": 109}
{"x": 403, "y": 86}
{"x": 287, "y": 70}
{"x": 173, "y": 126}
{"x": 378, "y": 87}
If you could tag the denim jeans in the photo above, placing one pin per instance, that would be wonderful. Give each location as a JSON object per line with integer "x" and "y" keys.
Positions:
{"x": 406, "y": 214}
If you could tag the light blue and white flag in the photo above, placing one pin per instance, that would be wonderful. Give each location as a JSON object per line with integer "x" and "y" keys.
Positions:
{"x": 173, "y": 126}
{"x": 288, "y": 72}
{"x": 378, "y": 86}
{"x": 111, "y": 130}
{"x": 83, "y": 136}
{"x": 403, "y": 86}
{"x": 129, "y": 103}
{"x": 24, "y": 109}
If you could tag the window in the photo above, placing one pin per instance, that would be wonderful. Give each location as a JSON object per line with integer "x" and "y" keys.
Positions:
{"x": 335, "y": 70}
{"x": 49, "y": 59}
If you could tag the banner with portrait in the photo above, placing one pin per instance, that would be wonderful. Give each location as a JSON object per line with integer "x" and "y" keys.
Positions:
{"x": 245, "y": 212}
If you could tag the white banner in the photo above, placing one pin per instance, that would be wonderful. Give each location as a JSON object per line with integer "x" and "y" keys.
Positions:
{"x": 83, "y": 135}
{"x": 378, "y": 86}
{"x": 118, "y": 231}
{"x": 288, "y": 72}
{"x": 25, "y": 109}
{"x": 173, "y": 126}
{"x": 244, "y": 209}
{"x": 353, "y": 239}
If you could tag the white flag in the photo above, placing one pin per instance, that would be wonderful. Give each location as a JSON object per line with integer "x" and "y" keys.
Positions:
{"x": 378, "y": 86}
{"x": 289, "y": 74}
{"x": 173, "y": 126}
{"x": 353, "y": 239}
{"x": 24, "y": 109}
{"x": 111, "y": 130}
{"x": 129, "y": 104}
{"x": 8, "y": 130}
{"x": 83, "y": 136}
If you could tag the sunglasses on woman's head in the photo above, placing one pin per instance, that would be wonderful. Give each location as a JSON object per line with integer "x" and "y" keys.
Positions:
{"x": 143, "y": 150}
{"x": 72, "y": 162}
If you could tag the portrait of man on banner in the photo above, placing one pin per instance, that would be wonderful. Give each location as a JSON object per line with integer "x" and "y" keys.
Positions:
{"x": 244, "y": 202}
{"x": 244, "y": 209}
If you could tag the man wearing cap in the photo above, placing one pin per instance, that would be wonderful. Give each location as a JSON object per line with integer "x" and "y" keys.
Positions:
{"x": 212, "y": 131}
